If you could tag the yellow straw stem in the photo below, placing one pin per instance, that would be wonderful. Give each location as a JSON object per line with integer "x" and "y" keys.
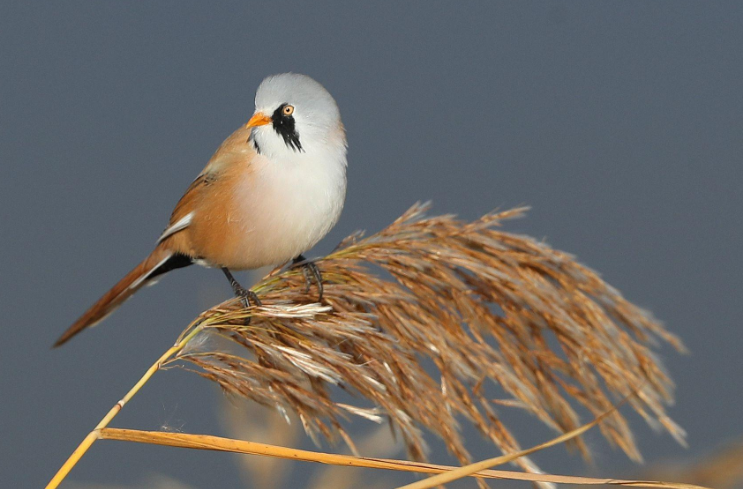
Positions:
{"x": 216, "y": 443}
{"x": 93, "y": 435}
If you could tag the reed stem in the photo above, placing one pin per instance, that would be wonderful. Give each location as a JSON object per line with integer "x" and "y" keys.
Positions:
{"x": 94, "y": 435}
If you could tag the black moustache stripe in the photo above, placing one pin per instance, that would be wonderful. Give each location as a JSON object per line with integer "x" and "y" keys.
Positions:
{"x": 285, "y": 126}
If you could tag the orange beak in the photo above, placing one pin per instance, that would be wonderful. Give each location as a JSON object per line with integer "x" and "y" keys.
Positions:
{"x": 258, "y": 119}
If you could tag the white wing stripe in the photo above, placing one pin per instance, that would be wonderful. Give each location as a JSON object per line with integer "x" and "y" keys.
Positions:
{"x": 179, "y": 225}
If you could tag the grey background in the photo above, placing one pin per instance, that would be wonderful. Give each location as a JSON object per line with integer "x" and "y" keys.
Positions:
{"x": 619, "y": 122}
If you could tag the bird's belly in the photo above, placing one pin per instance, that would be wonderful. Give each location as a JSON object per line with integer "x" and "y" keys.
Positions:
{"x": 277, "y": 215}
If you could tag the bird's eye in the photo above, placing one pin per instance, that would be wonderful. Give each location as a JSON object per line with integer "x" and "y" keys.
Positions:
{"x": 288, "y": 110}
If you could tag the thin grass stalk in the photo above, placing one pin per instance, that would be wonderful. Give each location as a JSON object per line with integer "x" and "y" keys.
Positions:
{"x": 88, "y": 441}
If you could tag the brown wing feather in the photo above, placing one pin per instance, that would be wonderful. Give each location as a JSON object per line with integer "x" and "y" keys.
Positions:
{"x": 211, "y": 189}
{"x": 210, "y": 200}
{"x": 191, "y": 196}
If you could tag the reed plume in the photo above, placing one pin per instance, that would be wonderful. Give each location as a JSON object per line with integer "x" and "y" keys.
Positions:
{"x": 434, "y": 321}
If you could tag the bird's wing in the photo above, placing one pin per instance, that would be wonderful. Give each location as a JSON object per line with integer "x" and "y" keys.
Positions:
{"x": 183, "y": 212}
{"x": 229, "y": 159}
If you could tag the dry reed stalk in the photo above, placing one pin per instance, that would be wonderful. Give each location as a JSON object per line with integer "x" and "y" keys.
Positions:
{"x": 207, "y": 442}
{"x": 91, "y": 437}
{"x": 486, "y": 307}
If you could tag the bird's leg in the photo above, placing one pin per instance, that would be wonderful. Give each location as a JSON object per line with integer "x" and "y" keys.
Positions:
{"x": 246, "y": 295}
{"x": 310, "y": 271}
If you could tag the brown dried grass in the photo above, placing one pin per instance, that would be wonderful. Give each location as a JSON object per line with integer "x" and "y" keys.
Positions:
{"x": 485, "y": 307}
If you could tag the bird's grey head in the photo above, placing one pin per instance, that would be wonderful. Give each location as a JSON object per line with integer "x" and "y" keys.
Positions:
{"x": 294, "y": 114}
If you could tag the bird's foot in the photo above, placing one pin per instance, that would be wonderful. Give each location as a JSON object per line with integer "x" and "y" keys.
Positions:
{"x": 246, "y": 296}
{"x": 310, "y": 271}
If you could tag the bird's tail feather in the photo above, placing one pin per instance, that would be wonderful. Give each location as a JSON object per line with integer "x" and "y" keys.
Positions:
{"x": 153, "y": 265}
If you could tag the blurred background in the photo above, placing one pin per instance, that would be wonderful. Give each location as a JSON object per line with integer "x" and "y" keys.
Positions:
{"x": 619, "y": 122}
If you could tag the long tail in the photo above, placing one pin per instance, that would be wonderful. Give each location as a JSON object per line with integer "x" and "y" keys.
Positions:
{"x": 160, "y": 261}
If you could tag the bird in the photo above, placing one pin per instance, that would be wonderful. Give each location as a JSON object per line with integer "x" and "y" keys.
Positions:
{"x": 270, "y": 192}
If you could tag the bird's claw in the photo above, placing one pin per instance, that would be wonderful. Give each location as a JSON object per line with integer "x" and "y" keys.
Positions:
{"x": 248, "y": 298}
{"x": 310, "y": 271}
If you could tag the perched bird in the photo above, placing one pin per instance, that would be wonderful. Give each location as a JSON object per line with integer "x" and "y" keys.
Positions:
{"x": 270, "y": 192}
